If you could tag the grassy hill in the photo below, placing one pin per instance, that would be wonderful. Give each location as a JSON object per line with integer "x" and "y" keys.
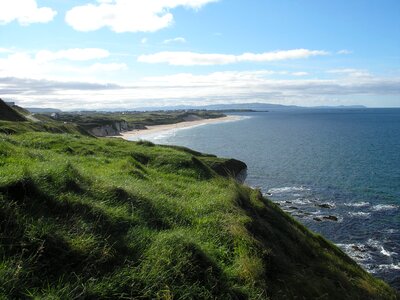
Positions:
{"x": 9, "y": 114}
{"x": 89, "y": 218}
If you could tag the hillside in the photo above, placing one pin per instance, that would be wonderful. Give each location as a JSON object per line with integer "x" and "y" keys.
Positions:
{"x": 113, "y": 123}
{"x": 96, "y": 218}
{"x": 9, "y": 114}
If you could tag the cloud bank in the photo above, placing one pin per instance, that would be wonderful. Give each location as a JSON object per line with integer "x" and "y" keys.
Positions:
{"x": 207, "y": 59}
{"x": 191, "y": 89}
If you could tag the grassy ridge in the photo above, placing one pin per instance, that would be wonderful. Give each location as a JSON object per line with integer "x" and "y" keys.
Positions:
{"x": 82, "y": 217}
{"x": 9, "y": 114}
{"x": 90, "y": 120}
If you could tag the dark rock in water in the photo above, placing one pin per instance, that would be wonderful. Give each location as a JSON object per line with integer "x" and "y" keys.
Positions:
{"x": 324, "y": 205}
{"x": 356, "y": 248}
{"x": 293, "y": 207}
{"x": 330, "y": 218}
{"x": 289, "y": 202}
{"x": 317, "y": 219}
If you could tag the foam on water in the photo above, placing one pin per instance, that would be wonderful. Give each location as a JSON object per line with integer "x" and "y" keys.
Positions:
{"x": 374, "y": 269}
{"x": 381, "y": 207}
{"x": 356, "y": 251}
{"x": 357, "y": 204}
{"x": 287, "y": 189}
{"x": 359, "y": 214}
{"x": 301, "y": 201}
{"x": 387, "y": 253}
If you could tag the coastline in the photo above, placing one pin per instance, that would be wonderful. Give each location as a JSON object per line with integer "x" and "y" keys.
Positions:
{"x": 139, "y": 133}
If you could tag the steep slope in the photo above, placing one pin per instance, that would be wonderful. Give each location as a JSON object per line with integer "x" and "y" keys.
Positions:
{"x": 90, "y": 218}
{"x": 9, "y": 114}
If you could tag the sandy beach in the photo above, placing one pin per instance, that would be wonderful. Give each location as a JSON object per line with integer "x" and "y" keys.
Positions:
{"x": 139, "y": 133}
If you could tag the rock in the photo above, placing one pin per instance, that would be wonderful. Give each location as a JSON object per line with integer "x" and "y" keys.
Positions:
{"x": 330, "y": 218}
{"x": 324, "y": 205}
{"x": 289, "y": 202}
{"x": 356, "y": 248}
{"x": 317, "y": 219}
{"x": 293, "y": 207}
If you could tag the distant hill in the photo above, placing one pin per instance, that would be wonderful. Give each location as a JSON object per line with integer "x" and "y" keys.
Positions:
{"x": 341, "y": 106}
{"x": 9, "y": 114}
{"x": 268, "y": 106}
{"x": 239, "y": 106}
{"x": 22, "y": 111}
{"x": 38, "y": 110}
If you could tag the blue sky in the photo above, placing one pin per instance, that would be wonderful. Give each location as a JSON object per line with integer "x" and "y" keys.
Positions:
{"x": 125, "y": 54}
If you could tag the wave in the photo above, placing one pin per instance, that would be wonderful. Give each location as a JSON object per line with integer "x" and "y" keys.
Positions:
{"x": 357, "y": 251}
{"x": 382, "y": 267}
{"x": 359, "y": 214}
{"x": 377, "y": 245}
{"x": 387, "y": 253}
{"x": 381, "y": 207}
{"x": 357, "y": 204}
{"x": 300, "y": 201}
{"x": 391, "y": 230}
{"x": 365, "y": 253}
{"x": 288, "y": 189}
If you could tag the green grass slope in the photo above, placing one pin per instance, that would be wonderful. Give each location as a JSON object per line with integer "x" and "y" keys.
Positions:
{"x": 88, "y": 218}
{"x": 9, "y": 114}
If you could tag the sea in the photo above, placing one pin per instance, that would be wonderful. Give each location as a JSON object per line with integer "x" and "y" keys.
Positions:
{"x": 335, "y": 170}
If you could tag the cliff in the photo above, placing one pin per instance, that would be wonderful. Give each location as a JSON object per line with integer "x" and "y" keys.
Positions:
{"x": 103, "y": 124}
{"x": 91, "y": 218}
{"x": 113, "y": 129}
{"x": 7, "y": 113}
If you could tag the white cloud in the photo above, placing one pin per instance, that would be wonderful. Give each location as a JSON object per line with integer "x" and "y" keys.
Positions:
{"x": 109, "y": 67}
{"x": 350, "y": 72}
{"x": 207, "y": 59}
{"x": 128, "y": 15}
{"x": 52, "y": 65}
{"x": 175, "y": 40}
{"x": 75, "y": 54}
{"x": 25, "y": 12}
{"x": 299, "y": 74}
{"x": 345, "y": 52}
{"x": 5, "y": 50}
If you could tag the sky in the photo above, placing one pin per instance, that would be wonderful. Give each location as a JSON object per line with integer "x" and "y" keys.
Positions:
{"x": 125, "y": 54}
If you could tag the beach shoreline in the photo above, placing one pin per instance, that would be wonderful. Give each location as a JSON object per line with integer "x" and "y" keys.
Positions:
{"x": 138, "y": 133}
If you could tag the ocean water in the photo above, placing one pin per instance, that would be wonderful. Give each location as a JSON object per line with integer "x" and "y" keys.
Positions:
{"x": 337, "y": 171}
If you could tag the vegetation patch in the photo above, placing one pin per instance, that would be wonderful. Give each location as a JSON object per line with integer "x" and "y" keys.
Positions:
{"x": 90, "y": 218}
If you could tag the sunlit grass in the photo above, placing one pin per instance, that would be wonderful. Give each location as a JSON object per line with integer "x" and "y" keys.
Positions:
{"x": 104, "y": 218}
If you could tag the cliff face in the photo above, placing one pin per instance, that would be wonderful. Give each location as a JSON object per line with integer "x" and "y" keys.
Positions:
{"x": 114, "y": 128}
